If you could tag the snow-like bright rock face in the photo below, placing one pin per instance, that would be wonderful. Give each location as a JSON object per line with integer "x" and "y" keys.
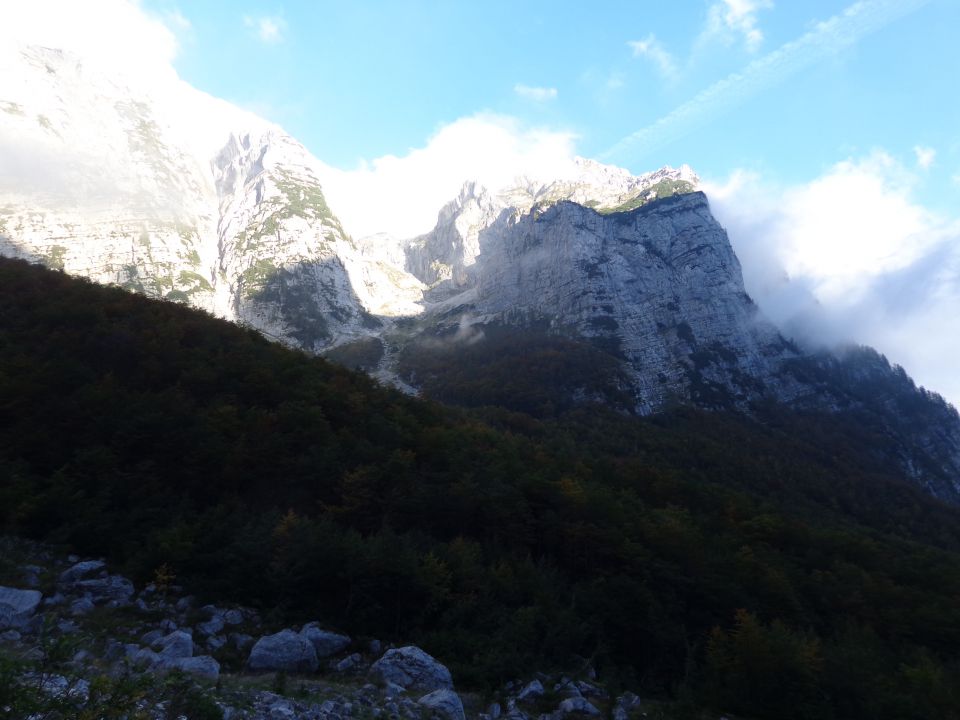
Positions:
{"x": 178, "y": 195}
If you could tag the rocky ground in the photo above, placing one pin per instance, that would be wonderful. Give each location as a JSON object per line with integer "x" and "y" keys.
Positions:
{"x": 78, "y": 641}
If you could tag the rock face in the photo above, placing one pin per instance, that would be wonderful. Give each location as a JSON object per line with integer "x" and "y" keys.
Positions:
{"x": 412, "y": 668}
{"x": 214, "y": 207}
{"x": 285, "y": 650}
{"x": 658, "y": 286}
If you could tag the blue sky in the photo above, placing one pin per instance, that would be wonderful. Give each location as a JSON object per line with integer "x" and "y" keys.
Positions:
{"x": 354, "y": 81}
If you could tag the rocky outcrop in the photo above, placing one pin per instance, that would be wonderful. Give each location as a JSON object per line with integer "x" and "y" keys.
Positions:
{"x": 658, "y": 286}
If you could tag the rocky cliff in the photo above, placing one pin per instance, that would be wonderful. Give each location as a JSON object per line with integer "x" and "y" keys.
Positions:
{"x": 215, "y": 207}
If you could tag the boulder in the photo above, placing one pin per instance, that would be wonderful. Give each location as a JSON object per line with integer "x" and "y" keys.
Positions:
{"x": 145, "y": 658}
{"x": 351, "y": 662}
{"x": 112, "y": 588}
{"x": 567, "y": 688}
{"x": 285, "y": 650}
{"x": 233, "y": 617}
{"x": 211, "y": 626}
{"x": 589, "y": 690}
{"x": 410, "y": 667}
{"x": 178, "y": 644}
{"x": 80, "y": 571}
{"x": 81, "y": 606}
{"x": 576, "y": 705}
{"x": 202, "y": 666}
{"x": 626, "y": 704}
{"x": 445, "y": 703}
{"x": 324, "y": 642}
{"x": 184, "y": 603}
{"x": 17, "y": 606}
{"x": 149, "y": 638}
{"x": 532, "y": 691}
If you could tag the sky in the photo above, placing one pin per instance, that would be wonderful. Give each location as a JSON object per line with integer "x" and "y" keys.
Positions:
{"x": 827, "y": 132}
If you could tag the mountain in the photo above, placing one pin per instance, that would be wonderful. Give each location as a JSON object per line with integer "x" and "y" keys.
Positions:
{"x": 768, "y": 566}
{"x": 593, "y": 286}
{"x": 222, "y": 210}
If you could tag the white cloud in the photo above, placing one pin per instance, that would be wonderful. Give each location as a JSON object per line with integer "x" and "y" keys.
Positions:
{"x": 825, "y": 39}
{"x": 116, "y": 35}
{"x": 737, "y": 18}
{"x": 538, "y": 94}
{"x": 401, "y": 195}
{"x": 269, "y": 30}
{"x": 925, "y": 156}
{"x": 851, "y": 257}
{"x": 651, "y": 48}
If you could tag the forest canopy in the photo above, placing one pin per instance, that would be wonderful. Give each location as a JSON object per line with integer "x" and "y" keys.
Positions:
{"x": 771, "y": 566}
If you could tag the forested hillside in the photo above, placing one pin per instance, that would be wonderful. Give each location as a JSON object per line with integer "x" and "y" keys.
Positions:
{"x": 770, "y": 567}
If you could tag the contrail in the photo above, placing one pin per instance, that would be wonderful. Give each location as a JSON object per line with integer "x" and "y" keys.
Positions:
{"x": 826, "y": 38}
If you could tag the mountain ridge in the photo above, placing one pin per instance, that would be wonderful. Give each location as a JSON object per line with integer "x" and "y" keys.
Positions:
{"x": 631, "y": 269}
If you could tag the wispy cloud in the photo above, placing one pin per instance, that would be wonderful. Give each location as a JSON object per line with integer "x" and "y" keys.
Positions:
{"x": 176, "y": 19}
{"x": 925, "y": 156}
{"x": 269, "y": 30}
{"x": 825, "y": 39}
{"x": 538, "y": 94}
{"x": 651, "y": 48}
{"x": 737, "y": 18}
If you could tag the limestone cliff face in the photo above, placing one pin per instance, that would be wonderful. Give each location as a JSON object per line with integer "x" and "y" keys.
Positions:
{"x": 96, "y": 184}
{"x": 658, "y": 286}
{"x": 220, "y": 210}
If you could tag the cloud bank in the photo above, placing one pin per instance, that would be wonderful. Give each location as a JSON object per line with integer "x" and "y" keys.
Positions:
{"x": 401, "y": 195}
{"x": 851, "y": 257}
{"x": 116, "y": 35}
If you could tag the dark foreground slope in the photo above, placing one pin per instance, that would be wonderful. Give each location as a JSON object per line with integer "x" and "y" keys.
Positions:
{"x": 772, "y": 570}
